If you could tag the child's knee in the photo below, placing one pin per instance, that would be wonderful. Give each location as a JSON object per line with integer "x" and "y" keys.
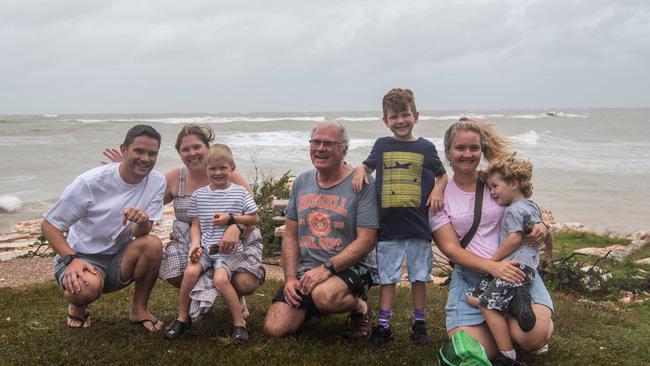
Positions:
{"x": 221, "y": 278}
{"x": 193, "y": 271}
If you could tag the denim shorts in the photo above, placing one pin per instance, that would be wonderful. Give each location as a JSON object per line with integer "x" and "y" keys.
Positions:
{"x": 216, "y": 261}
{"x": 391, "y": 253}
{"x": 460, "y": 313}
{"x": 107, "y": 265}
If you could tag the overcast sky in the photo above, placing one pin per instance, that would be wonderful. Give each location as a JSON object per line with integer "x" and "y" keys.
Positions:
{"x": 70, "y": 56}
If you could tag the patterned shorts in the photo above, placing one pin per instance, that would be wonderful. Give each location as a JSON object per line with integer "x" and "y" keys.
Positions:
{"x": 496, "y": 294}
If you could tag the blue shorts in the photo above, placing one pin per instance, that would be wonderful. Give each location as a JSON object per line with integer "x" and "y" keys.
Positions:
{"x": 419, "y": 260}
{"x": 460, "y": 313}
{"x": 107, "y": 265}
{"x": 218, "y": 261}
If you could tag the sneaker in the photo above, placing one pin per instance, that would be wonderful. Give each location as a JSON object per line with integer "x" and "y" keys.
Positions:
{"x": 502, "y": 360}
{"x": 419, "y": 333}
{"x": 240, "y": 334}
{"x": 380, "y": 336}
{"x": 359, "y": 325}
{"x": 521, "y": 309}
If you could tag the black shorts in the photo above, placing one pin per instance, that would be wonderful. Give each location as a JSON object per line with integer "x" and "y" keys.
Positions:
{"x": 357, "y": 278}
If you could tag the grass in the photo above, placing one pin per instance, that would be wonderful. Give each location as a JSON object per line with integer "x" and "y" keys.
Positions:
{"x": 571, "y": 240}
{"x": 33, "y": 331}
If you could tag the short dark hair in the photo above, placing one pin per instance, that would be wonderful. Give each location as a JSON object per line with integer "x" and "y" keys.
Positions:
{"x": 141, "y": 130}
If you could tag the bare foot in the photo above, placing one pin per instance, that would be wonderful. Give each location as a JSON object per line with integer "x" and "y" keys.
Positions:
{"x": 78, "y": 316}
{"x": 148, "y": 321}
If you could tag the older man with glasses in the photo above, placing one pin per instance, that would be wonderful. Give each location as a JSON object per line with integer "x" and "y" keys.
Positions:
{"x": 328, "y": 245}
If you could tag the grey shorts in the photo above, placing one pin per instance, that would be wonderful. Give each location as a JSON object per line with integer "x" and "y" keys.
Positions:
{"x": 107, "y": 265}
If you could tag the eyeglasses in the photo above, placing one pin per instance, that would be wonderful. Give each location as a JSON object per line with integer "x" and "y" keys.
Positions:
{"x": 327, "y": 144}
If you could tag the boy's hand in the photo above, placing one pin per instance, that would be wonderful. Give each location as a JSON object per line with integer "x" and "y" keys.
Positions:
{"x": 548, "y": 260}
{"x": 196, "y": 254}
{"x": 220, "y": 219}
{"x": 359, "y": 178}
{"x": 436, "y": 201}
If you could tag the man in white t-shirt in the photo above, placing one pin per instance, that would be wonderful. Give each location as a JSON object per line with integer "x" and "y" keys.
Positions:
{"x": 108, "y": 213}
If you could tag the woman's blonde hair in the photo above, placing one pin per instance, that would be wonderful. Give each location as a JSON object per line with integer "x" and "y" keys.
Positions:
{"x": 493, "y": 145}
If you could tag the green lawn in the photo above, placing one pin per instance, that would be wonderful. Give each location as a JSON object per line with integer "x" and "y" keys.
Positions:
{"x": 33, "y": 331}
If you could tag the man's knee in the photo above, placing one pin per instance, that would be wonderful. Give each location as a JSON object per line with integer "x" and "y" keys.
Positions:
{"x": 88, "y": 293}
{"x": 327, "y": 298}
{"x": 282, "y": 319}
{"x": 151, "y": 245}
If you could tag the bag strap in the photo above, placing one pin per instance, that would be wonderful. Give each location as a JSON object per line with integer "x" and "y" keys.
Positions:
{"x": 478, "y": 207}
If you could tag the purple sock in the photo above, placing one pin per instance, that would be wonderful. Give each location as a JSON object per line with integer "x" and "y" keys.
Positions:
{"x": 384, "y": 318}
{"x": 418, "y": 314}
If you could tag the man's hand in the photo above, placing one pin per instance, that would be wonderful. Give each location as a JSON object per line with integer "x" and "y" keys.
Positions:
{"x": 220, "y": 219}
{"x": 312, "y": 278}
{"x": 134, "y": 215}
{"x": 113, "y": 155}
{"x": 229, "y": 239}
{"x": 195, "y": 254}
{"x": 537, "y": 234}
{"x": 291, "y": 295}
{"x": 74, "y": 275}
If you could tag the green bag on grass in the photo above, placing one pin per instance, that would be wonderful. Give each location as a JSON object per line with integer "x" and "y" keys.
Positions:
{"x": 462, "y": 350}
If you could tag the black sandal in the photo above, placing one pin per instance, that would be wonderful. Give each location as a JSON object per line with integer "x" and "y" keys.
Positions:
{"x": 83, "y": 322}
{"x": 176, "y": 329}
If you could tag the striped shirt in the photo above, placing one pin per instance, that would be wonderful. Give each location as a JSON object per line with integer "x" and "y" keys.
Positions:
{"x": 205, "y": 203}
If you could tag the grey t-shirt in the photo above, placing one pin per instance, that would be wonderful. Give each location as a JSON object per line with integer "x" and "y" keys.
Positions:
{"x": 328, "y": 218}
{"x": 519, "y": 214}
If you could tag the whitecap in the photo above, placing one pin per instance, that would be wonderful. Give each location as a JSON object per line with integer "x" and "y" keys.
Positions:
{"x": 527, "y": 138}
{"x": 358, "y": 119}
{"x": 10, "y": 204}
{"x": 530, "y": 116}
{"x": 207, "y": 119}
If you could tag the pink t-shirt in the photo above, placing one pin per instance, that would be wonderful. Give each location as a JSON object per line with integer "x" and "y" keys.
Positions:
{"x": 459, "y": 210}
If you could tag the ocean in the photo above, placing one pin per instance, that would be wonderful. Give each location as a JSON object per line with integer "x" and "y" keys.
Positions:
{"x": 591, "y": 166}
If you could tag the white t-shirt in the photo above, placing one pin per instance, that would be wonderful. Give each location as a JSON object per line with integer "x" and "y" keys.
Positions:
{"x": 90, "y": 208}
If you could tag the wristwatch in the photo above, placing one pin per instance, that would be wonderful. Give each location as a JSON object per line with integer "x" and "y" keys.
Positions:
{"x": 330, "y": 266}
{"x": 231, "y": 219}
{"x": 68, "y": 259}
{"x": 241, "y": 231}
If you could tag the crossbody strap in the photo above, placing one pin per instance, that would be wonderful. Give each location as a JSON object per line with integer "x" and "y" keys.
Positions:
{"x": 478, "y": 207}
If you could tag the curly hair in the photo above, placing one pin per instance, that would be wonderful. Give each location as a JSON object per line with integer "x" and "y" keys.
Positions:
{"x": 493, "y": 145}
{"x": 514, "y": 170}
{"x": 398, "y": 100}
{"x": 203, "y": 133}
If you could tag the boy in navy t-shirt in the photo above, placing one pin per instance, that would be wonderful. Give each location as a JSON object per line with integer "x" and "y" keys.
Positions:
{"x": 407, "y": 168}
